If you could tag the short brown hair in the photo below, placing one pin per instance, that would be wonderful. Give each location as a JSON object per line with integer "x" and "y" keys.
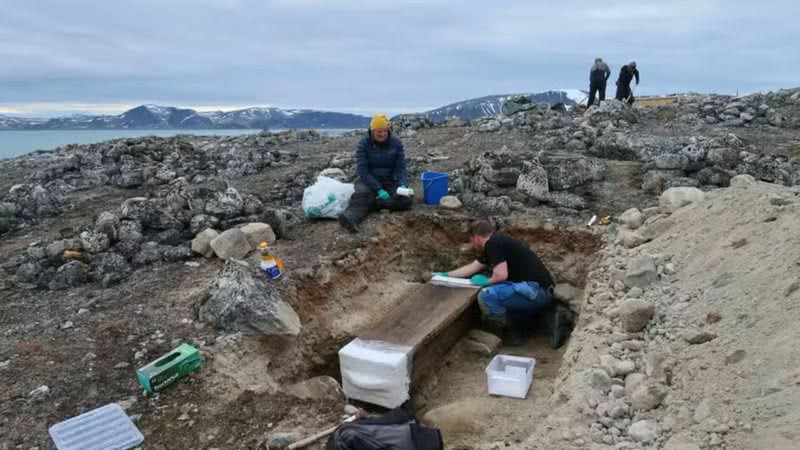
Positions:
{"x": 481, "y": 227}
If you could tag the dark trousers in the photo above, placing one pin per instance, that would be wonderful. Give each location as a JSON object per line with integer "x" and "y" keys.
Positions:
{"x": 596, "y": 87}
{"x": 364, "y": 200}
{"x": 624, "y": 92}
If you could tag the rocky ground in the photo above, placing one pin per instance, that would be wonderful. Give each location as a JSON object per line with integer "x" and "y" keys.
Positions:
{"x": 114, "y": 253}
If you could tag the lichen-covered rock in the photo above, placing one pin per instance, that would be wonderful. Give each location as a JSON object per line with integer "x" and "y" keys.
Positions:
{"x": 241, "y": 301}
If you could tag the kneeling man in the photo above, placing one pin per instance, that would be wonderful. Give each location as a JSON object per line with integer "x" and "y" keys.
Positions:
{"x": 519, "y": 286}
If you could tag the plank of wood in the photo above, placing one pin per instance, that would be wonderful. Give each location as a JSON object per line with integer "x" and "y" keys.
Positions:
{"x": 422, "y": 314}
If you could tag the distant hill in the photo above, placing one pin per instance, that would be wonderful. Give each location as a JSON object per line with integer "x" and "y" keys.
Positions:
{"x": 167, "y": 117}
{"x": 492, "y": 104}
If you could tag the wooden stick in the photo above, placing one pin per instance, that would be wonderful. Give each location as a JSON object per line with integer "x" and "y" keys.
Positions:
{"x": 311, "y": 439}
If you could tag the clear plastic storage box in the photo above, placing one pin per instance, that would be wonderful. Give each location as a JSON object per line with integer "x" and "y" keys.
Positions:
{"x": 510, "y": 376}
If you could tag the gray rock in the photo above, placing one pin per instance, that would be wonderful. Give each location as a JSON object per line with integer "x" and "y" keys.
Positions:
{"x": 631, "y": 238}
{"x": 477, "y": 347}
{"x": 257, "y": 232}
{"x": 94, "y": 242}
{"x": 642, "y": 273}
{"x": 703, "y": 411}
{"x": 226, "y": 204}
{"x": 643, "y": 431}
{"x": 648, "y": 396}
{"x": 533, "y": 181}
{"x": 490, "y": 126}
{"x": 202, "y": 221}
{"x": 488, "y": 339}
{"x": 565, "y": 292}
{"x": 632, "y": 381}
{"x": 149, "y": 253}
{"x": 635, "y": 292}
{"x": 40, "y": 393}
{"x": 600, "y": 379}
{"x": 202, "y": 242}
{"x": 281, "y": 441}
{"x": 231, "y": 244}
{"x": 678, "y": 197}
{"x": 742, "y": 181}
{"x": 450, "y": 202}
{"x": 109, "y": 268}
{"x": 635, "y": 313}
{"x": 70, "y": 274}
{"x": 335, "y": 173}
{"x": 108, "y": 224}
{"x": 671, "y": 161}
{"x": 632, "y": 218}
{"x": 130, "y": 230}
{"x": 239, "y": 300}
{"x": 697, "y": 336}
{"x": 29, "y": 272}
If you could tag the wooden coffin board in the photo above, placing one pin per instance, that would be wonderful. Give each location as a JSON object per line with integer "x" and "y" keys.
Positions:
{"x": 430, "y": 319}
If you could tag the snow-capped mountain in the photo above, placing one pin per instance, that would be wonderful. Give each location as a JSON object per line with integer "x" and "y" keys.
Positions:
{"x": 167, "y": 117}
{"x": 493, "y": 104}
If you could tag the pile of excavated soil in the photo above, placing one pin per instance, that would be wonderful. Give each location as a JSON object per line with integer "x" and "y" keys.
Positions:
{"x": 716, "y": 365}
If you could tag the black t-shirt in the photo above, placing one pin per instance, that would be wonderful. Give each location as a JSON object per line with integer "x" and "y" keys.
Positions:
{"x": 523, "y": 263}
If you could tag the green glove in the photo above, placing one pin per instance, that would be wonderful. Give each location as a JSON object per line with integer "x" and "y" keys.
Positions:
{"x": 479, "y": 280}
{"x": 440, "y": 274}
{"x": 383, "y": 195}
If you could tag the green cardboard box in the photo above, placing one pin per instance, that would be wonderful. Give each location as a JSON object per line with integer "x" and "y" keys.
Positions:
{"x": 169, "y": 368}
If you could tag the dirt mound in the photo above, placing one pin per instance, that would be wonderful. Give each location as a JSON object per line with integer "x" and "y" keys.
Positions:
{"x": 713, "y": 367}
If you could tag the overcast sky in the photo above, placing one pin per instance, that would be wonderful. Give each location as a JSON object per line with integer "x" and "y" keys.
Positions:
{"x": 365, "y": 56}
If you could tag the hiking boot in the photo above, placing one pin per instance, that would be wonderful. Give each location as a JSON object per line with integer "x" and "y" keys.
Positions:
{"x": 347, "y": 223}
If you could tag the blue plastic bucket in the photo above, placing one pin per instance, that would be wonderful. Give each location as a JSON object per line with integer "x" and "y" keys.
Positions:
{"x": 434, "y": 187}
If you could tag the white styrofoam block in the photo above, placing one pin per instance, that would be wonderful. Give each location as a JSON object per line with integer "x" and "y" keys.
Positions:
{"x": 376, "y": 372}
{"x": 439, "y": 280}
{"x": 510, "y": 376}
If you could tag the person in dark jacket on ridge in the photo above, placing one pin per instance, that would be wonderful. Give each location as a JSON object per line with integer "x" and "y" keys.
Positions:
{"x": 598, "y": 76}
{"x": 626, "y": 75}
{"x": 381, "y": 165}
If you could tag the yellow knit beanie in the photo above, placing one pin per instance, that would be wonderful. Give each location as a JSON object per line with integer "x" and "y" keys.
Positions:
{"x": 379, "y": 121}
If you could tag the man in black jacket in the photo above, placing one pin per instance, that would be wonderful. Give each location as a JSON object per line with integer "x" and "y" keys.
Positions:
{"x": 381, "y": 165}
{"x": 626, "y": 75}
{"x": 598, "y": 76}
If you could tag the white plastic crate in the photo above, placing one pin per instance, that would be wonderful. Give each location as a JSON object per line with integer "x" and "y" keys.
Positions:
{"x": 510, "y": 376}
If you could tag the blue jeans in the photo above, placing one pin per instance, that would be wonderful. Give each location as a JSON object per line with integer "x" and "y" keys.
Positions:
{"x": 498, "y": 300}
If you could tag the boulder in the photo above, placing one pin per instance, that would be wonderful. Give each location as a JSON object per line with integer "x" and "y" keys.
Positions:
{"x": 226, "y": 204}
{"x": 241, "y": 301}
{"x": 642, "y": 273}
{"x": 257, "y": 232}
{"x": 70, "y": 274}
{"x": 677, "y": 197}
{"x": 201, "y": 243}
{"x": 94, "y": 241}
{"x": 632, "y": 381}
{"x": 450, "y": 202}
{"x": 109, "y": 268}
{"x": 231, "y": 244}
{"x": 533, "y": 181}
{"x": 635, "y": 313}
{"x": 632, "y": 218}
{"x": 648, "y": 396}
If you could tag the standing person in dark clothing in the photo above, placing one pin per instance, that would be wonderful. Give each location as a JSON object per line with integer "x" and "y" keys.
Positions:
{"x": 626, "y": 75}
{"x": 381, "y": 164}
{"x": 598, "y": 75}
{"x": 519, "y": 286}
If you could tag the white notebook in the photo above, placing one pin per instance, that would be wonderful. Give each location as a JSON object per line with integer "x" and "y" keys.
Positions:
{"x": 439, "y": 280}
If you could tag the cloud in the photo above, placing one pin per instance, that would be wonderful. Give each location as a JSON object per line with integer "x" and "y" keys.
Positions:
{"x": 379, "y": 56}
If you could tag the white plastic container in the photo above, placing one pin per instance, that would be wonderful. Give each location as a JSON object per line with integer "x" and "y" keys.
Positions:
{"x": 510, "y": 376}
